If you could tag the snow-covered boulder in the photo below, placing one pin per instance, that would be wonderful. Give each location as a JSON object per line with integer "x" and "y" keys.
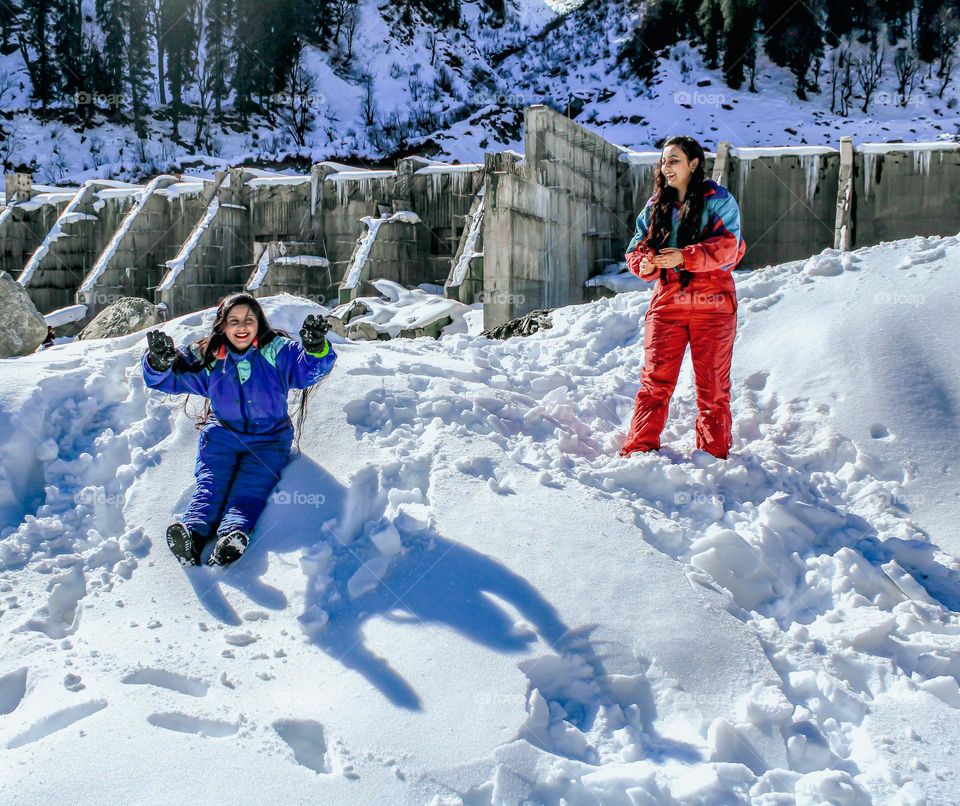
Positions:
{"x": 68, "y": 321}
{"x": 22, "y": 328}
{"x": 125, "y": 316}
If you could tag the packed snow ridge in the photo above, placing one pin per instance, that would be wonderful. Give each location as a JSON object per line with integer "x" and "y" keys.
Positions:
{"x": 460, "y": 594}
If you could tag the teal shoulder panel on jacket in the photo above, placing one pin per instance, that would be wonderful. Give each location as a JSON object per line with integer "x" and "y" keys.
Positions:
{"x": 275, "y": 346}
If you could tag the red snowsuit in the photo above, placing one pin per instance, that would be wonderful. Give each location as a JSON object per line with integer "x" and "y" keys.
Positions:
{"x": 703, "y": 315}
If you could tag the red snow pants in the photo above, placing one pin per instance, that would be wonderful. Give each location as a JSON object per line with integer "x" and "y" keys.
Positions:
{"x": 704, "y": 315}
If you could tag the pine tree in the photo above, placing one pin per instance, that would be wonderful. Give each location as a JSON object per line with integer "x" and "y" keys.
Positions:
{"x": 219, "y": 28}
{"x": 896, "y": 14}
{"x": 248, "y": 32}
{"x": 795, "y": 38}
{"x": 178, "y": 20}
{"x": 740, "y": 39}
{"x": 112, "y": 16}
{"x": 928, "y": 29}
{"x": 37, "y": 48}
{"x": 138, "y": 60}
{"x": 69, "y": 47}
{"x": 710, "y": 19}
{"x": 659, "y": 28}
{"x": 10, "y": 16}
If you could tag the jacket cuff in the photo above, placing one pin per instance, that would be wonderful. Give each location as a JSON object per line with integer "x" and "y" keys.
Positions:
{"x": 320, "y": 353}
{"x": 692, "y": 258}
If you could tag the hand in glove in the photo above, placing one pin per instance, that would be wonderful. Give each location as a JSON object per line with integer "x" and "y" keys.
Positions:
{"x": 313, "y": 334}
{"x": 162, "y": 352}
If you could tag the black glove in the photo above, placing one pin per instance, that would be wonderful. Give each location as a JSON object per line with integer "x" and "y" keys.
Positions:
{"x": 313, "y": 334}
{"x": 162, "y": 352}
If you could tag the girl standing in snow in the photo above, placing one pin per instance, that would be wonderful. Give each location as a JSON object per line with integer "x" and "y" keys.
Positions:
{"x": 688, "y": 237}
{"x": 245, "y": 369}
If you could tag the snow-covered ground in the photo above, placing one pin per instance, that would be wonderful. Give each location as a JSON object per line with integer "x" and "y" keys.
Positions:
{"x": 460, "y": 594}
{"x": 458, "y": 93}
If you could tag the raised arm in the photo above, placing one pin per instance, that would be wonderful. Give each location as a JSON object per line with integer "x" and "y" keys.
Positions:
{"x": 304, "y": 364}
{"x": 158, "y": 373}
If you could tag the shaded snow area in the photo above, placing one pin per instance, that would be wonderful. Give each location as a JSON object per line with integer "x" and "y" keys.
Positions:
{"x": 459, "y": 594}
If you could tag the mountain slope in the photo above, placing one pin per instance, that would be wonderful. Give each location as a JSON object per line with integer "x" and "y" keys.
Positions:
{"x": 456, "y": 93}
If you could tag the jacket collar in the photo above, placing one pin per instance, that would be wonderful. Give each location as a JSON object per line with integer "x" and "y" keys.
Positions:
{"x": 224, "y": 351}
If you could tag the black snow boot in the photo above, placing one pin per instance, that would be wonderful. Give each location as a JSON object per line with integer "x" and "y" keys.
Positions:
{"x": 184, "y": 544}
{"x": 229, "y": 548}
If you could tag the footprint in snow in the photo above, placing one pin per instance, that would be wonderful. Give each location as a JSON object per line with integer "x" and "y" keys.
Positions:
{"x": 305, "y": 737}
{"x": 191, "y": 686}
{"x": 13, "y": 687}
{"x": 185, "y": 723}
{"x": 56, "y": 722}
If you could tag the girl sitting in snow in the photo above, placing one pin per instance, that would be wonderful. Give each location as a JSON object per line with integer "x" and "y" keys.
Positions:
{"x": 688, "y": 237}
{"x": 245, "y": 369}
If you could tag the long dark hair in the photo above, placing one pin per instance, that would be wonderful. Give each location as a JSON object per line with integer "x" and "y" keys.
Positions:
{"x": 664, "y": 197}
{"x": 209, "y": 348}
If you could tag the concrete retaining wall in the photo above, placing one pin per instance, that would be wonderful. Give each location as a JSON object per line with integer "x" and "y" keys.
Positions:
{"x": 152, "y": 232}
{"x": 53, "y": 273}
{"x": 905, "y": 189}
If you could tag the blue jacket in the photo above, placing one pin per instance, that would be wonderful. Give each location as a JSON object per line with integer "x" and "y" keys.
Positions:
{"x": 721, "y": 245}
{"x": 248, "y": 391}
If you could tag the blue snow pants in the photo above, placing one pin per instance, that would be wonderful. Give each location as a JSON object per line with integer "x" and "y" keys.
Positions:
{"x": 235, "y": 475}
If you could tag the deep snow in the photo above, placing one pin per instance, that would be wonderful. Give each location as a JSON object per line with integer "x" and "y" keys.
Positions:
{"x": 459, "y": 594}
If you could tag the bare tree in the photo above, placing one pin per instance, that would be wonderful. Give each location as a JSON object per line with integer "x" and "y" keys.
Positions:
{"x": 906, "y": 63}
{"x": 204, "y": 99}
{"x": 297, "y": 112}
{"x": 842, "y": 82}
{"x": 368, "y": 106}
{"x": 869, "y": 67}
{"x": 949, "y": 34}
{"x": 350, "y": 30}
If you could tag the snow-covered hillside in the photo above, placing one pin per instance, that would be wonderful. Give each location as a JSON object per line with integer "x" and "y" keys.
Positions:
{"x": 456, "y": 93}
{"x": 460, "y": 594}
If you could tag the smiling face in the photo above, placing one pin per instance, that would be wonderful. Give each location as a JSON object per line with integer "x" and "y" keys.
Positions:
{"x": 676, "y": 168}
{"x": 240, "y": 327}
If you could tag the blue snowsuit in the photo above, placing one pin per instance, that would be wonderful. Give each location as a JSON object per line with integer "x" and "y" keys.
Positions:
{"x": 246, "y": 443}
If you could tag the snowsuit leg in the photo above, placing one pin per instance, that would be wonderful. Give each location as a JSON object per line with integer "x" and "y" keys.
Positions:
{"x": 664, "y": 343}
{"x": 258, "y": 471}
{"x": 217, "y": 460}
{"x": 711, "y": 348}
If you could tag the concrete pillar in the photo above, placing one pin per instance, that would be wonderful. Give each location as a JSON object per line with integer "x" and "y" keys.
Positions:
{"x": 18, "y": 186}
{"x": 721, "y": 168}
{"x": 843, "y": 235}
